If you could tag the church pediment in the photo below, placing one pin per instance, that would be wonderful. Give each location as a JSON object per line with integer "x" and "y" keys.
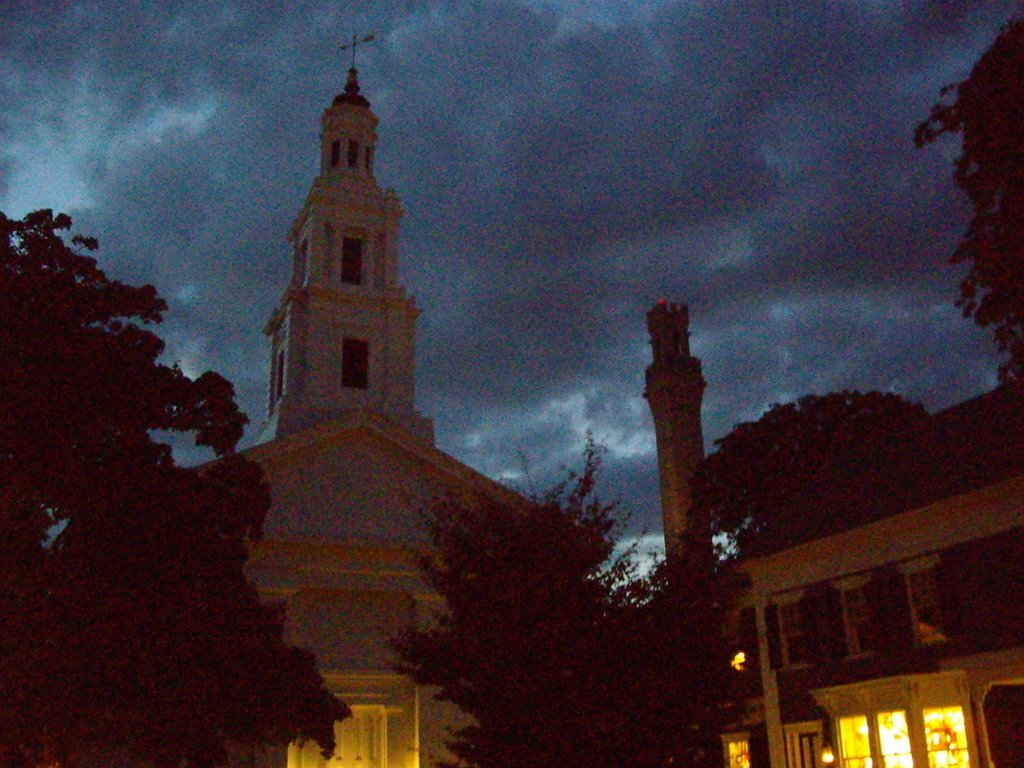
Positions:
{"x": 360, "y": 477}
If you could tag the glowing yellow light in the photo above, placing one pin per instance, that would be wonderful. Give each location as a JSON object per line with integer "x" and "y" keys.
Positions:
{"x": 739, "y": 661}
{"x": 827, "y": 755}
{"x": 739, "y": 754}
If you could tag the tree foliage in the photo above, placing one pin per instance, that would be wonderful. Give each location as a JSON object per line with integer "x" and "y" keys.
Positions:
{"x": 806, "y": 469}
{"x": 127, "y": 627}
{"x": 557, "y": 650}
{"x": 988, "y": 112}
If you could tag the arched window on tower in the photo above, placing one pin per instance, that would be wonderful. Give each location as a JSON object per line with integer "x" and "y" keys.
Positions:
{"x": 369, "y": 158}
{"x": 353, "y": 153}
{"x": 352, "y": 260}
{"x": 335, "y": 153}
{"x": 355, "y": 363}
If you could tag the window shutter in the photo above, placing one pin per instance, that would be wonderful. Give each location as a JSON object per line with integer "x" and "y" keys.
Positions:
{"x": 771, "y": 617}
{"x": 950, "y": 578}
{"x": 836, "y": 625}
{"x": 748, "y": 639}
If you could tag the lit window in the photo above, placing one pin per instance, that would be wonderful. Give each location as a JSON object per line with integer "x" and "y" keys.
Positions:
{"x": 894, "y": 739}
{"x": 737, "y": 750}
{"x": 946, "y": 737}
{"x": 351, "y": 260}
{"x": 859, "y": 622}
{"x": 739, "y": 661}
{"x": 355, "y": 363}
{"x": 854, "y": 745}
{"x": 925, "y": 607}
{"x": 794, "y": 639}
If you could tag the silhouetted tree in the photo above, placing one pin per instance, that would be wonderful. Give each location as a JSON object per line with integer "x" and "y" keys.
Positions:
{"x": 988, "y": 111}
{"x": 810, "y": 468}
{"x": 127, "y": 628}
{"x": 558, "y": 651}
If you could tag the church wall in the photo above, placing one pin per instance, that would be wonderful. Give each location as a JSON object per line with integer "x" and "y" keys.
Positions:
{"x": 348, "y": 629}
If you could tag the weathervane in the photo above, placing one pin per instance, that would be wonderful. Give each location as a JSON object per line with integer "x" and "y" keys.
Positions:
{"x": 356, "y": 42}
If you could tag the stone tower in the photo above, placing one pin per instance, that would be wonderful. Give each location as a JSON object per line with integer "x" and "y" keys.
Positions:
{"x": 343, "y": 334}
{"x": 674, "y": 391}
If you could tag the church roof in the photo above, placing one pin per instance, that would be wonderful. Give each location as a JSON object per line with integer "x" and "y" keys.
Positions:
{"x": 360, "y": 477}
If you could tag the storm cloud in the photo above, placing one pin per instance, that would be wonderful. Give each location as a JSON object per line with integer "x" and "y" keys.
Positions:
{"x": 562, "y": 165}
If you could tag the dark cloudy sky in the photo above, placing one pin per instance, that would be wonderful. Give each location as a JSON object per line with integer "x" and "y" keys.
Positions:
{"x": 563, "y": 164}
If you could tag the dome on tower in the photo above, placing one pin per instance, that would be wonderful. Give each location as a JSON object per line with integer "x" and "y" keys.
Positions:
{"x": 351, "y": 94}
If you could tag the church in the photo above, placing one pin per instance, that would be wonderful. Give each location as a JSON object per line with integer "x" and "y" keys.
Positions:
{"x": 349, "y": 459}
{"x": 893, "y": 643}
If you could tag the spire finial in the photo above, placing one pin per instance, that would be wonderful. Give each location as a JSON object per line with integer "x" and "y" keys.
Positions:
{"x": 351, "y": 95}
{"x": 356, "y": 42}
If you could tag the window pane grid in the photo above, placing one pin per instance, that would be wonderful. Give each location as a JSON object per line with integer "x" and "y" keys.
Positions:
{"x": 894, "y": 739}
{"x": 946, "y": 737}
{"x": 855, "y": 747}
{"x": 739, "y": 754}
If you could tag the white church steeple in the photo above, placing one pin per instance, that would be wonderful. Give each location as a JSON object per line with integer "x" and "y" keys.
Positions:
{"x": 343, "y": 334}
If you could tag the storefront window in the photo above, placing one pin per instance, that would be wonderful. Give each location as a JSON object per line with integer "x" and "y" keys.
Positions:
{"x": 894, "y": 739}
{"x": 946, "y": 737}
{"x": 855, "y": 748}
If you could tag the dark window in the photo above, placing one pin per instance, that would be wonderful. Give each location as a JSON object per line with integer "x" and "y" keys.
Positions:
{"x": 369, "y": 158}
{"x": 926, "y": 607}
{"x": 279, "y": 378}
{"x": 353, "y": 154}
{"x": 355, "y": 363}
{"x": 352, "y": 260}
{"x": 794, "y": 637}
{"x": 328, "y": 251}
{"x": 272, "y": 394}
{"x": 860, "y": 635}
{"x": 335, "y": 152}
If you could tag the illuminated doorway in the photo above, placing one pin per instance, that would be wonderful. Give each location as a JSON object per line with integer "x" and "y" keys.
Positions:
{"x": 361, "y": 742}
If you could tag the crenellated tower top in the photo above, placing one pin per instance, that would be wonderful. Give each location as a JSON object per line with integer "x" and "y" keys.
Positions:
{"x": 674, "y": 391}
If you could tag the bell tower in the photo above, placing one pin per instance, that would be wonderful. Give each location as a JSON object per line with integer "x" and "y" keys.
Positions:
{"x": 674, "y": 391}
{"x": 343, "y": 334}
